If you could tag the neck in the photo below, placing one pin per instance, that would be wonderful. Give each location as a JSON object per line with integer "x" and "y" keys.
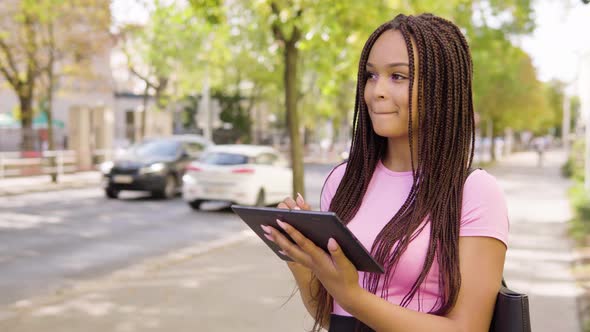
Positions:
{"x": 397, "y": 155}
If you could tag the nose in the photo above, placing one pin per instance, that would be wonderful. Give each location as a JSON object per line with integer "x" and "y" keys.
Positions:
{"x": 380, "y": 91}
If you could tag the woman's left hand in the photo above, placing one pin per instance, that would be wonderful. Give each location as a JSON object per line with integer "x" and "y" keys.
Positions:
{"x": 334, "y": 270}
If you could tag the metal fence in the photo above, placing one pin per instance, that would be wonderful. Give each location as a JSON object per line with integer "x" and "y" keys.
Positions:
{"x": 13, "y": 164}
{"x": 11, "y": 139}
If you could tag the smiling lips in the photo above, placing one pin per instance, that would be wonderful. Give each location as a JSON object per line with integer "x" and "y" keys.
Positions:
{"x": 381, "y": 113}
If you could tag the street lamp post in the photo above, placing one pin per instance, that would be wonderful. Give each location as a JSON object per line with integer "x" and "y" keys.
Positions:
{"x": 565, "y": 129}
{"x": 205, "y": 105}
{"x": 584, "y": 93}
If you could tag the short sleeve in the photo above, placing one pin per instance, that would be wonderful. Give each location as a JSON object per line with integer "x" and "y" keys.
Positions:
{"x": 484, "y": 211}
{"x": 330, "y": 186}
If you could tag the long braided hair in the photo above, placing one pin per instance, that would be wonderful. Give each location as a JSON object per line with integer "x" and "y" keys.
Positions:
{"x": 445, "y": 153}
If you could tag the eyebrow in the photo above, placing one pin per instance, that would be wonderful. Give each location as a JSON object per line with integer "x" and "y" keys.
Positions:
{"x": 390, "y": 65}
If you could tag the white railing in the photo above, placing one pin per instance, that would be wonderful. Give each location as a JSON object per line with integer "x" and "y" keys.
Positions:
{"x": 39, "y": 163}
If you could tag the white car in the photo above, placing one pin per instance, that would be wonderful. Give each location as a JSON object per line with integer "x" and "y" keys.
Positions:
{"x": 241, "y": 174}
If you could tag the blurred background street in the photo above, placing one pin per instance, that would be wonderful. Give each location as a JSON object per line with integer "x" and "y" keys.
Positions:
{"x": 128, "y": 127}
{"x": 57, "y": 238}
{"x": 131, "y": 268}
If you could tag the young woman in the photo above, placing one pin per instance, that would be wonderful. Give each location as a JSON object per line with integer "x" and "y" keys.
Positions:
{"x": 407, "y": 193}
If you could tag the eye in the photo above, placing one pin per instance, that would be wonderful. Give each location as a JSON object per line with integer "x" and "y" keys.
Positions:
{"x": 398, "y": 77}
{"x": 371, "y": 76}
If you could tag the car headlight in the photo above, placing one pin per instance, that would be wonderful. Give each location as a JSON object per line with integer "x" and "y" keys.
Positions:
{"x": 106, "y": 167}
{"x": 153, "y": 168}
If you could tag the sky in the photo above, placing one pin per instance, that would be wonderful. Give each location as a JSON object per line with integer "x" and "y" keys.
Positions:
{"x": 561, "y": 38}
{"x": 128, "y": 11}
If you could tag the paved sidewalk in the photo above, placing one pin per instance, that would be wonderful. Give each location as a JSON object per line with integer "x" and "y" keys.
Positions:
{"x": 40, "y": 183}
{"x": 540, "y": 256}
{"x": 239, "y": 285}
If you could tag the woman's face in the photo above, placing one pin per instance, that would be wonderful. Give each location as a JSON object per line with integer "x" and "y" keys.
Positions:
{"x": 386, "y": 90}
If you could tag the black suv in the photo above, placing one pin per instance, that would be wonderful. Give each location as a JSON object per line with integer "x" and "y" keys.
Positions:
{"x": 155, "y": 165}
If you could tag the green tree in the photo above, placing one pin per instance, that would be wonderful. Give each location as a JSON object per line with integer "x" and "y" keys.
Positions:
{"x": 301, "y": 28}
{"x": 554, "y": 90}
{"x": 233, "y": 111}
{"x": 505, "y": 84}
{"x": 22, "y": 57}
{"x": 68, "y": 52}
{"x": 315, "y": 46}
{"x": 36, "y": 49}
{"x": 167, "y": 53}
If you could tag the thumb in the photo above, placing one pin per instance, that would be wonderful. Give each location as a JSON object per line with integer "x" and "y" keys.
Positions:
{"x": 338, "y": 257}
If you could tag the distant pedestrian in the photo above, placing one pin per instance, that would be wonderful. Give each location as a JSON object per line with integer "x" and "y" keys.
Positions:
{"x": 540, "y": 145}
{"x": 407, "y": 193}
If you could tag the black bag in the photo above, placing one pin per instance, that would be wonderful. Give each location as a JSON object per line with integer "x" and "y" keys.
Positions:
{"x": 511, "y": 312}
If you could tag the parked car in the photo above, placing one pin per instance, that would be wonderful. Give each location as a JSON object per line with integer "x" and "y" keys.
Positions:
{"x": 155, "y": 165}
{"x": 241, "y": 174}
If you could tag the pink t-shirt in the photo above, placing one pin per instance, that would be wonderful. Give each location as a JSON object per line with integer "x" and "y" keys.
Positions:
{"x": 484, "y": 213}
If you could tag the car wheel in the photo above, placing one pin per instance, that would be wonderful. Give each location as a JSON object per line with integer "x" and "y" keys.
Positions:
{"x": 261, "y": 198}
{"x": 196, "y": 204}
{"x": 112, "y": 193}
{"x": 169, "y": 190}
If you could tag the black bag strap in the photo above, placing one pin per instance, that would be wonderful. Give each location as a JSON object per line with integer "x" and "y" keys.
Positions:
{"x": 469, "y": 171}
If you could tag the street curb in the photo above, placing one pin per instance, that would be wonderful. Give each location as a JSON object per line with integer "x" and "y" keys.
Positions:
{"x": 582, "y": 278}
{"x": 138, "y": 270}
{"x": 49, "y": 188}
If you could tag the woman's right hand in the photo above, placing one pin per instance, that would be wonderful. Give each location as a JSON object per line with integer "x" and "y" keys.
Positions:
{"x": 306, "y": 282}
{"x": 294, "y": 204}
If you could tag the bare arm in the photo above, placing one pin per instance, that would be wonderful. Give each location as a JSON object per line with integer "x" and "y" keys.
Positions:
{"x": 303, "y": 276}
{"x": 307, "y": 286}
{"x": 481, "y": 264}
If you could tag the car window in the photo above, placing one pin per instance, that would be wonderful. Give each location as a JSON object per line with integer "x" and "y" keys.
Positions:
{"x": 223, "y": 158}
{"x": 266, "y": 159}
{"x": 156, "y": 148}
{"x": 194, "y": 149}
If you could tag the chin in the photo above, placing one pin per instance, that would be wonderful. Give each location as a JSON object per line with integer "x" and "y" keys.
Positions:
{"x": 389, "y": 131}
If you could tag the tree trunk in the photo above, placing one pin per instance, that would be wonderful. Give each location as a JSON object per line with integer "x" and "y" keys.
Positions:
{"x": 290, "y": 78}
{"x": 492, "y": 141}
{"x": 49, "y": 110}
{"x": 26, "y": 91}
{"x": 159, "y": 94}
{"x": 26, "y": 113}
{"x": 144, "y": 110}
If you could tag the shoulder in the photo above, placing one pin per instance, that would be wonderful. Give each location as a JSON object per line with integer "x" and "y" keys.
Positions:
{"x": 336, "y": 174}
{"x": 484, "y": 211}
{"x": 331, "y": 184}
{"x": 481, "y": 183}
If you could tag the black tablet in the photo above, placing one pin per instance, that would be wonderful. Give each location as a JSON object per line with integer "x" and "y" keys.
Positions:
{"x": 317, "y": 226}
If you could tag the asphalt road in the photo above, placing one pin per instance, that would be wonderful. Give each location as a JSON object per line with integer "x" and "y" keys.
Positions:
{"x": 50, "y": 240}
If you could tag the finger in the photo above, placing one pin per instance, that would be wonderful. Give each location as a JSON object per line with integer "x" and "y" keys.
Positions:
{"x": 282, "y": 205}
{"x": 338, "y": 257}
{"x": 291, "y": 203}
{"x": 301, "y": 202}
{"x": 288, "y": 247}
{"x": 316, "y": 253}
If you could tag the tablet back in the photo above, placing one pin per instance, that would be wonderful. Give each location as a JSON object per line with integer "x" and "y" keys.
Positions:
{"x": 317, "y": 226}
